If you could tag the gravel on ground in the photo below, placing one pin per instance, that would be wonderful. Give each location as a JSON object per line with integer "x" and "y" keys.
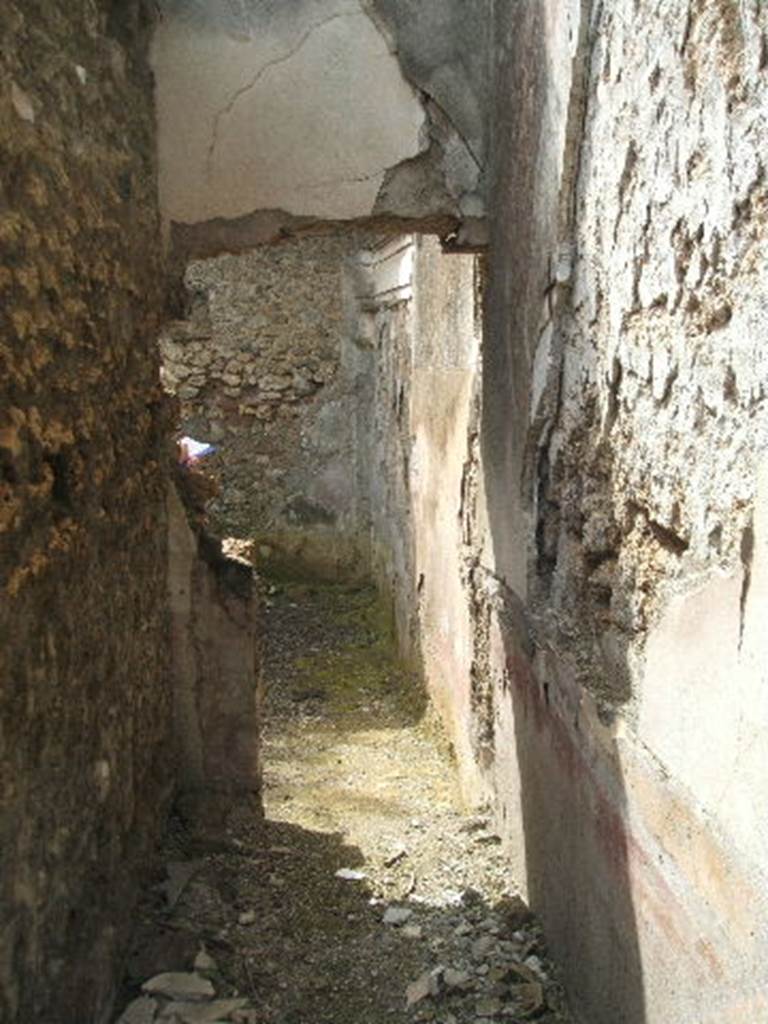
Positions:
{"x": 365, "y": 894}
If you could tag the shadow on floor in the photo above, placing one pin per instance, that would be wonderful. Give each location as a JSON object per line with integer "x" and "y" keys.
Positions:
{"x": 314, "y": 949}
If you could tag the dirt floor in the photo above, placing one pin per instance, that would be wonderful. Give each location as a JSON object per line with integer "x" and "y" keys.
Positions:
{"x": 365, "y": 896}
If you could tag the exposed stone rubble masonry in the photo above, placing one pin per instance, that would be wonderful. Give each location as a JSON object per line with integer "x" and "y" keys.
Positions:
{"x": 580, "y": 534}
{"x": 266, "y": 367}
{"x": 85, "y": 698}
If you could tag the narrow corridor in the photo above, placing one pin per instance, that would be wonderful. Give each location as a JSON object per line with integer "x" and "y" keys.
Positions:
{"x": 365, "y": 895}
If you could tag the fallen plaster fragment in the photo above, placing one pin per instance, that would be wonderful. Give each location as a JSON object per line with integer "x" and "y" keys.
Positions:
{"x": 456, "y": 979}
{"x": 140, "y": 1011}
{"x": 350, "y": 875}
{"x": 178, "y": 985}
{"x": 22, "y": 104}
{"x": 397, "y": 915}
{"x": 426, "y": 985}
{"x": 202, "y": 1013}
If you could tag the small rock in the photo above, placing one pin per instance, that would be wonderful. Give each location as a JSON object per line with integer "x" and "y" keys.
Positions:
{"x": 247, "y": 917}
{"x": 535, "y": 965}
{"x": 474, "y": 825}
{"x": 471, "y": 897}
{"x": 482, "y": 947}
{"x": 140, "y": 1011}
{"x": 412, "y": 931}
{"x": 488, "y": 1006}
{"x": 204, "y": 962}
{"x": 396, "y": 915}
{"x": 518, "y": 915}
{"x": 489, "y": 839}
{"x": 202, "y": 1013}
{"x": 425, "y": 985}
{"x": 456, "y": 979}
{"x": 180, "y": 986}
{"x": 22, "y": 104}
{"x": 246, "y": 1017}
{"x": 350, "y": 875}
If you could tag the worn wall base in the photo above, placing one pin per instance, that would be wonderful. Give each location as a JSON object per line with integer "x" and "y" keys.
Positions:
{"x": 216, "y": 634}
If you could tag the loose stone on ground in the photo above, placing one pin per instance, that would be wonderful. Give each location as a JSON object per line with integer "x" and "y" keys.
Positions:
{"x": 389, "y": 910}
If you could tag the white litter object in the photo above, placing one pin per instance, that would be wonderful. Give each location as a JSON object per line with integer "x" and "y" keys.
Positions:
{"x": 351, "y": 875}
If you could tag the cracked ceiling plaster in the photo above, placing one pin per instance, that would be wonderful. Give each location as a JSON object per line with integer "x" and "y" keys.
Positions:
{"x": 304, "y": 108}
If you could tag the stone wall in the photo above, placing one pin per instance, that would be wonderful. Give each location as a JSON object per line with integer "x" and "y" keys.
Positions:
{"x": 216, "y": 641}
{"x": 85, "y": 756}
{"x": 573, "y": 542}
{"x": 421, "y": 424}
{"x": 576, "y": 544}
{"x": 624, "y": 467}
{"x": 267, "y": 367}
{"x": 385, "y": 424}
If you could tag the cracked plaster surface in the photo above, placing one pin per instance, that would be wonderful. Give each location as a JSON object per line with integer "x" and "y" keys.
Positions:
{"x": 306, "y": 114}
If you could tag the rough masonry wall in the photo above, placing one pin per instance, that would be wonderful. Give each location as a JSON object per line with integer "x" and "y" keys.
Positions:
{"x": 624, "y": 440}
{"x": 267, "y": 367}
{"x": 85, "y": 758}
{"x": 216, "y": 638}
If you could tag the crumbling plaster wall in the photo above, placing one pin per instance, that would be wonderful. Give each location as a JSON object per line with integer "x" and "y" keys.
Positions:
{"x": 576, "y": 543}
{"x": 610, "y": 504}
{"x": 421, "y": 421}
{"x": 86, "y": 758}
{"x": 445, "y": 397}
{"x": 216, "y": 640}
{"x": 272, "y": 113}
{"x": 387, "y": 317}
{"x": 269, "y": 367}
{"x": 624, "y": 469}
